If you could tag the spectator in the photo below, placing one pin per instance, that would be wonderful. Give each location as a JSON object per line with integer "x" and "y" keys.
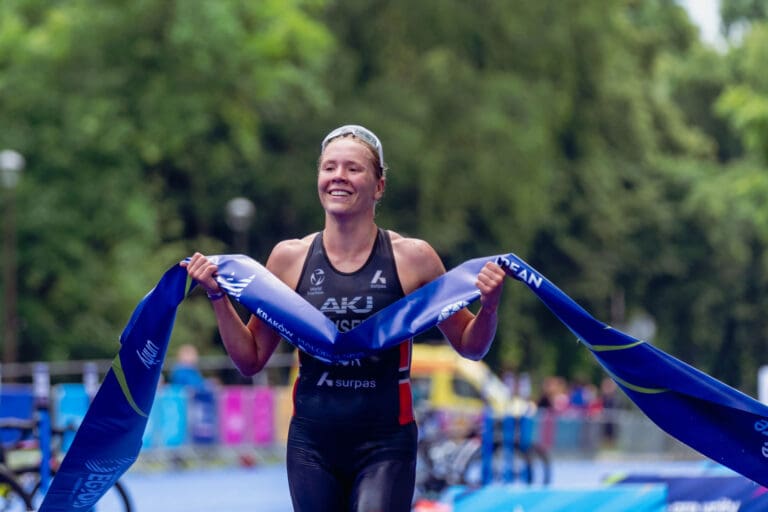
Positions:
{"x": 185, "y": 371}
{"x": 553, "y": 401}
{"x": 582, "y": 394}
{"x": 554, "y": 394}
{"x": 609, "y": 397}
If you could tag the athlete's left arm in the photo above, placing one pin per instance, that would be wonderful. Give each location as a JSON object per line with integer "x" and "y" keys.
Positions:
{"x": 470, "y": 335}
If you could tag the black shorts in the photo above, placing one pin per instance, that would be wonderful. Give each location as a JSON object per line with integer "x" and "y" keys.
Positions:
{"x": 354, "y": 469}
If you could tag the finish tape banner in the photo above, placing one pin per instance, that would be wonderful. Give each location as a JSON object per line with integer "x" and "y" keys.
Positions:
{"x": 109, "y": 438}
{"x": 711, "y": 417}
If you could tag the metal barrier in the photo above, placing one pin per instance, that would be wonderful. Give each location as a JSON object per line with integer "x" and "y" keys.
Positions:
{"x": 255, "y": 414}
{"x": 68, "y": 371}
{"x": 619, "y": 431}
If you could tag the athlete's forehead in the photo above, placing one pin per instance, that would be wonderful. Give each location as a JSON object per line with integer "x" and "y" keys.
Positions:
{"x": 362, "y": 136}
{"x": 348, "y": 151}
{"x": 359, "y": 132}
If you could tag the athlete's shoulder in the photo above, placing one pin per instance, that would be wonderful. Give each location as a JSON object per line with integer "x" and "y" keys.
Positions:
{"x": 412, "y": 250}
{"x": 287, "y": 258}
{"x": 292, "y": 247}
{"x": 417, "y": 261}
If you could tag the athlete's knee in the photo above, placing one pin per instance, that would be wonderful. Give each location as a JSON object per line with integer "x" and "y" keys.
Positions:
{"x": 385, "y": 487}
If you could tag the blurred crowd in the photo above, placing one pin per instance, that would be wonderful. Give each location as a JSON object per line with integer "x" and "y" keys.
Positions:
{"x": 578, "y": 395}
{"x": 577, "y": 398}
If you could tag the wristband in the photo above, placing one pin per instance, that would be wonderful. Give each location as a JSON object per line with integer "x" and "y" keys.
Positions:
{"x": 213, "y": 296}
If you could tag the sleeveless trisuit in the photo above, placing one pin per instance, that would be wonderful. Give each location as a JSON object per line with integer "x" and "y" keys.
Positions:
{"x": 352, "y": 438}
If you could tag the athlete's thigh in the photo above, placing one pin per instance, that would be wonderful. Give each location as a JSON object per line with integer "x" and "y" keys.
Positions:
{"x": 385, "y": 486}
{"x": 313, "y": 488}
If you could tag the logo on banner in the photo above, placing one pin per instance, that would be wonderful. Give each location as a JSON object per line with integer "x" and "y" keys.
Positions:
{"x": 761, "y": 426}
{"x": 103, "y": 473}
{"x": 275, "y": 324}
{"x": 234, "y": 287}
{"x": 148, "y": 355}
{"x": 451, "y": 309}
{"x": 519, "y": 272}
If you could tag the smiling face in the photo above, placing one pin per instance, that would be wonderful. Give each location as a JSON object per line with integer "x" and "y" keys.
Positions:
{"x": 346, "y": 182}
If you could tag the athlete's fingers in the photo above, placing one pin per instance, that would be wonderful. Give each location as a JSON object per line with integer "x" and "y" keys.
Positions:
{"x": 490, "y": 282}
{"x": 491, "y": 276}
{"x": 203, "y": 270}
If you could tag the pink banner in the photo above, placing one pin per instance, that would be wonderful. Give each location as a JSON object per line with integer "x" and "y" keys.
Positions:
{"x": 246, "y": 415}
{"x": 263, "y": 415}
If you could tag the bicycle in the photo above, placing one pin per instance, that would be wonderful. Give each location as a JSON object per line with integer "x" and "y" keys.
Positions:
{"x": 24, "y": 477}
{"x": 443, "y": 462}
{"x": 529, "y": 464}
{"x": 507, "y": 440}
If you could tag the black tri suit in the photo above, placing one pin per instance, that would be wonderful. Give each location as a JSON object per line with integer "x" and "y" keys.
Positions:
{"x": 352, "y": 438}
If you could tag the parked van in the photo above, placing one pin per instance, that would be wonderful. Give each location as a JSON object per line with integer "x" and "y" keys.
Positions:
{"x": 460, "y": 388}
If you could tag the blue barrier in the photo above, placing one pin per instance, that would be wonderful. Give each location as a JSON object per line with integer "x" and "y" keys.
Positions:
{"x": 508, "y": 424}
{"x": 619, "y": 498}
{"x": 203, "y": 418}
{"x": 16, "y": 401}
{"x": 527, "y": 426}
{"x": 167, "y": 424}
{"x": 487, "y": 445}
{"x": 515, "y": 431}
{"x": 708, "y": 492}
{"x": 70, "y": 403}
{"x": 179, "y": 416}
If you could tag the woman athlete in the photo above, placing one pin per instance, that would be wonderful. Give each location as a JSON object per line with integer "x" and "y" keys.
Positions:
{"x": 352, "y": 438}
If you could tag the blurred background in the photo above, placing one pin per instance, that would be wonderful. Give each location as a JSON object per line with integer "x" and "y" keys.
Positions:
{"x": 619, "y": 146}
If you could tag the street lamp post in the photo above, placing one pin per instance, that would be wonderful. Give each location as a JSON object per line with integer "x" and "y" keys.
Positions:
{"x": 11, "y": 166}
{"x": 240, "y": 214}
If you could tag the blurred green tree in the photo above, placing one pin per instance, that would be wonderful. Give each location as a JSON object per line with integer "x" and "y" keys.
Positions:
{"x": 601, "y": 141}
{"x": 139, "y": 120}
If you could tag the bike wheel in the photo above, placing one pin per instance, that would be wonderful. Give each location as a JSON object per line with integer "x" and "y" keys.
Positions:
{"x": 12, "y": 495}
{"x": 430, "y": 473}
{"x": 116, "y": 499}
{"x": 471, "y": 473}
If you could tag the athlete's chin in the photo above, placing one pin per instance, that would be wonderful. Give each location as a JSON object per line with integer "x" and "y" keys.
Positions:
{"x": 339, "y": 208}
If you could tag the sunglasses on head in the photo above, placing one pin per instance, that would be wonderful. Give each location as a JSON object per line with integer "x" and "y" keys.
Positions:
{"x": 361, "y": 133}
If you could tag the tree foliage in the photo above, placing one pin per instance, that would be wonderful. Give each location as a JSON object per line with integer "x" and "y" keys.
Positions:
{"x": 601, "y": 141}
{"x": 139, "y": 120}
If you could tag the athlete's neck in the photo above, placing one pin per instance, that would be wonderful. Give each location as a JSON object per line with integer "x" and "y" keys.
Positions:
{"x": 348, "y": 246}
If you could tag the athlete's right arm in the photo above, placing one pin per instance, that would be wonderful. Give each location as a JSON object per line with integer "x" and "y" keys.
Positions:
{"x": 249, "y": 345}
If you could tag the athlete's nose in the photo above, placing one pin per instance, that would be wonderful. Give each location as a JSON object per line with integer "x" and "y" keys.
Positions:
{"x": 340, "y": 174}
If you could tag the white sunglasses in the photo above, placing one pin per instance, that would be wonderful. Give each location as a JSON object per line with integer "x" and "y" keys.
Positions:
{"x": 361, "y": 133}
